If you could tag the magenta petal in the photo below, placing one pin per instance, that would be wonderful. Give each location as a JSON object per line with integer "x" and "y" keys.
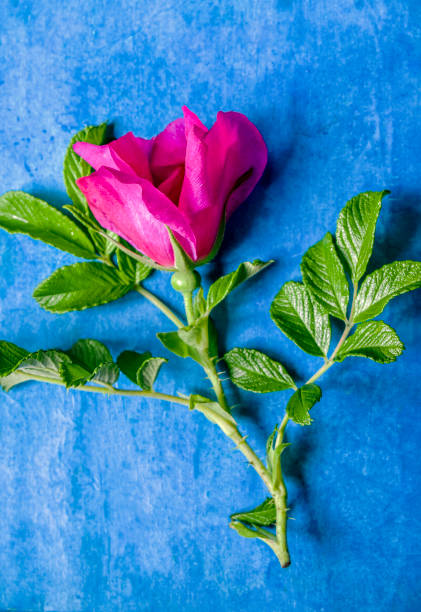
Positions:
{"x": 191, "y": 120}
{"x": 95, "y": 155}
{"x": 128, "y": 154}
{"x": 205, "y": 225}
{"x": 133, "y": 153}
{"x": 196, "y": 194}
{"x": 138, "y": 212}
{"x": 172, "y": 184}
{"x": 235, "y": 147}
{"x": 222, "y": 165}
{"x": 168, "y": 150}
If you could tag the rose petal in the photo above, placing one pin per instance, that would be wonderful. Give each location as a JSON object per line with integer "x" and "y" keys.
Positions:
{"x": 205, "y": 225}
{"x": 196, "y": 193}
{"x": 172, "y": 184}
{"x": 168, "y": 150}
{"x": 191, "y": 120}
{"x": 138, "y": 212}
{"x": 128, "y": 154}
{"x": 235, "y": 146}
{"x": 218, "y": 160}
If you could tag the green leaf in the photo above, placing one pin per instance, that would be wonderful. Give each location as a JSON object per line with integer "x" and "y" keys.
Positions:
{"x": 133, "y": 270}
{"x": 45, "y": 364}
{"x": 91, "y": 360}
{"x": 264, "y": 514}
{"x": 255, "y": 371}
{"x": 195, "y": 398}
{"x": 87, "y": 360}
{"x": 181, "y": 260}
{"x": 140, "y": 368}
{"x": 13, "y": 379}
{"x": 104, "y": 240}
{"x": 273, "y": 455}
{"x": 374, "y": 340}
{"x": 355, "y": 230}
{"x": 149, "y": 371}
{"x": 302, "y": 320}
{"x": 24, "y": 214}
{"x": 75, "y": 375}
{"x": 244, "y": 531}
{"x": 105, "y": 244}
{"x": 255, "y": 532}
{"x": 11, "y": 356}
{"x": 90, "y": 353}
{"x": 269, "y": 447}
{"x": 224, "y": 285}
{"x": 324, "y": 276}
{"x": 195, "y": 341}
{"x": 384, "y": 284}
{"x": 106, "y": 373}
{"x": 129, "y": 363}
{"x": 199, "y": 304}
{"x": 75, "y": 167}
{"x": 80, "y": 286}
{"x": 301, "y": 402}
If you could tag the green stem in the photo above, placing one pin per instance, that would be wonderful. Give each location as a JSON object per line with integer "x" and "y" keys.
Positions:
{"x": 233, "y": 433}
{"x": 281, "y": 430}
{"x": 280, "y": 493}
{"x": 159, "y": 304}
{"x": 280, "y": 498}
{"x": 216, "y": 385}
{"x": 113, "y": 391}
{"x": 349, "y": 324}
{"x": 188, "y": 305}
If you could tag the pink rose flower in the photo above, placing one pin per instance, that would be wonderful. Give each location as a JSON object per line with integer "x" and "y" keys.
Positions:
{"x": 184, "y": 178}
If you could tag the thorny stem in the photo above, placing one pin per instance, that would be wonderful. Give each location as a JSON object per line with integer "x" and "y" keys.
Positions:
{"x": 280, "y": 494}
{"x": 280, "y": 499}
{"x": 233, "y": 433}
{"x": 280, "y": 547}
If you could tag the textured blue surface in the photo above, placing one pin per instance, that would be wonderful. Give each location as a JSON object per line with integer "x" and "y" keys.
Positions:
{"x": 116, "y": 504}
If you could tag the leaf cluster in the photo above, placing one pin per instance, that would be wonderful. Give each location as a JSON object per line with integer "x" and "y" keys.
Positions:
{"x": 88, "y": 361}
{"x": 118, "y": 268}
{"x": 199, "y": 340}
{"x": 333, "y": 285}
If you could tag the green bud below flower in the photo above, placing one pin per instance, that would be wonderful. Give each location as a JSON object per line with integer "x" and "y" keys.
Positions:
{"x": 185, "y": 281}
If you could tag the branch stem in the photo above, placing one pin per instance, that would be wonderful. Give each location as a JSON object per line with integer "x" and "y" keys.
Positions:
{"x": 233, "y": 433}
{"x": 280, "y": 492}
{"x": 349, "y": 324}
{"x": 113, "y": 391}
{"x": 188, "y": 305}
{"x": 280, "y": 498}
{"x": 159, "y": 304}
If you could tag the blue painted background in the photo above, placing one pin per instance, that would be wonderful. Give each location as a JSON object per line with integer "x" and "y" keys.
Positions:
{"x": 117, "y": 504}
